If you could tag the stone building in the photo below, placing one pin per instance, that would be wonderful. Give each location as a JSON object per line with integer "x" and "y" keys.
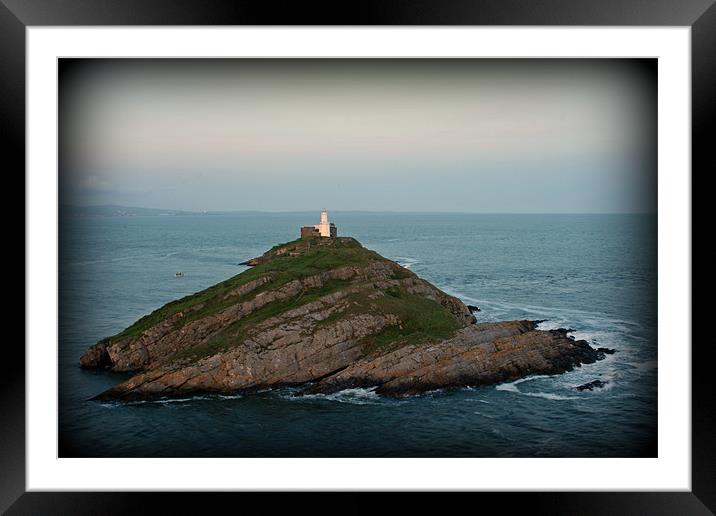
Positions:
{"x": 323, "y": 229}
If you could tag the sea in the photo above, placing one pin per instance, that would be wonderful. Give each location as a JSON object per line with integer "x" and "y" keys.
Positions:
{"x": 594, "y": 274}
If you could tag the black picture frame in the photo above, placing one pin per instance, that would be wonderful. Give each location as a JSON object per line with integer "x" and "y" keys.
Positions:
{"x": 17, "y": 15}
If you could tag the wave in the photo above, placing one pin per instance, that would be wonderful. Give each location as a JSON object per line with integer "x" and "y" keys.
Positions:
{"x": 544, "y": 395}
{"x": 509, "y": 385}
{"x": 199, "y": 251}
{"x": 406, "y": 263}
{"x": 512, "y": 387}
{"x": 229, "y": 396}
{"x": 168, "y": 401}
{"x": 355, "y": 396}
{"x": 556, "y": 317}
{"x": 549, "y": 396}
{"x": 85, "y": 263}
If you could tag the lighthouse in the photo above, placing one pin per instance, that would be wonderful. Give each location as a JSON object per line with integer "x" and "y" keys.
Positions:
{"x": 323, "y": 229}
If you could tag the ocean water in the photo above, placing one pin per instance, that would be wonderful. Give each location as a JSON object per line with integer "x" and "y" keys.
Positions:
{"x": 595, "y": 274}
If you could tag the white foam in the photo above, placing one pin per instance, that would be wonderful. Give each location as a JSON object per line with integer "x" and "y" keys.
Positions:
{"x": 179, "y": 400}
{"x": 166, "y": 401}
{"x": 229, "y": 396}
{"x": 356, "y": 396}
{"x": 460, "y": 295}
{"x": 556, "y": 317}
{"x": 405, "y": 262}
{"x": 548, "y": 395}
{"x": 512, "y": 387}
{"x": 545, "y": 395}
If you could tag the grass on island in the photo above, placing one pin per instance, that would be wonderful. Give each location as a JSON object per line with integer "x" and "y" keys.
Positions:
{"x": 422, "y": 320}
{"x": 314, "y": 256}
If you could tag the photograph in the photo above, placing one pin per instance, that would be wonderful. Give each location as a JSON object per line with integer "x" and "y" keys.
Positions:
{"x": 357, "y": 257}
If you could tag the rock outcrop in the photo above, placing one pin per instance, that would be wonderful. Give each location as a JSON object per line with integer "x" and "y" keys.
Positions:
{"x": 327, "y": 314}
{"x": 594, "y": 384}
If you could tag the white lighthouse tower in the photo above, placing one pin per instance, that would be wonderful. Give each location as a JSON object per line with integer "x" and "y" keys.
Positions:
{"x": 324, "y": 229}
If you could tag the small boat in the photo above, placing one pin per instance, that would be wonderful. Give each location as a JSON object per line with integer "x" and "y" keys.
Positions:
{"x": 178, "y": 274}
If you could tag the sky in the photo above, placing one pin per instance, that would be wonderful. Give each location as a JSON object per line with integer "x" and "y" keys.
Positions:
{"x": 444, "y": 135}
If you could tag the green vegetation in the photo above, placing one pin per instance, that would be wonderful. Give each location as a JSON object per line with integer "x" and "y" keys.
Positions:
{"x": 422, "y": 320}
{"x": 312, "y": 257}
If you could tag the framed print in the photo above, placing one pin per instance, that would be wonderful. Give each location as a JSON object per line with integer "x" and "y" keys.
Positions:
{"x": 282, "y": 250}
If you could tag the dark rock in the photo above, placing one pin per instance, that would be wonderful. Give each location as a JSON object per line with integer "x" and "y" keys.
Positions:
{"x": 607, "y": 351}
{"x": 96, "y": 356}
{"x": 594, "y": 384}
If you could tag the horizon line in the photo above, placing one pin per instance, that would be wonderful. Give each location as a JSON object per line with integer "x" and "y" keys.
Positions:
{"x": 457, "y": 212}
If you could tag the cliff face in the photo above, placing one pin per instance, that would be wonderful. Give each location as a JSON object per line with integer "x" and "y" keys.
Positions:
{"x": 330, "y": 314}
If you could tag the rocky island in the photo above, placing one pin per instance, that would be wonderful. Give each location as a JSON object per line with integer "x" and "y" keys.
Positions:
{"x": 325, "y": 314}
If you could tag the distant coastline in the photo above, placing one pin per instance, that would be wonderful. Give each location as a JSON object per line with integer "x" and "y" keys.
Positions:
{"x": 112, "y": 210}
{"x": 117, "y": 210}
